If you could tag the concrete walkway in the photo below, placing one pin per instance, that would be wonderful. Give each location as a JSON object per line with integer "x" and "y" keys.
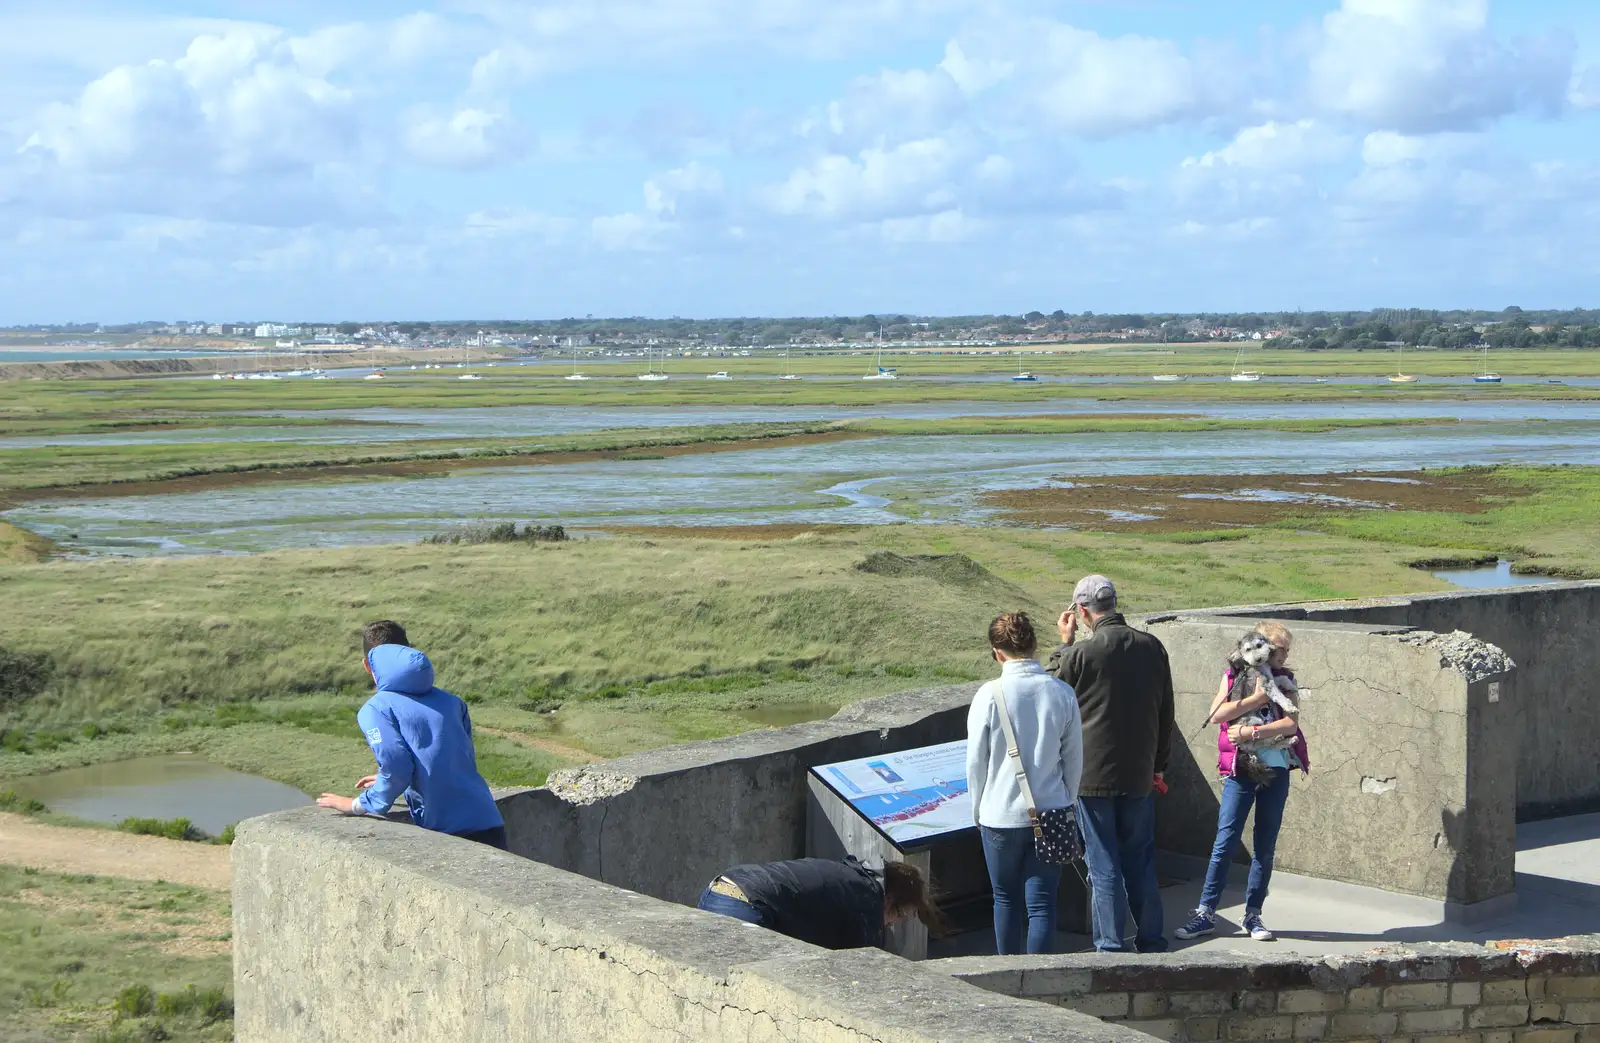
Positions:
{"x": 1558, "y": 894}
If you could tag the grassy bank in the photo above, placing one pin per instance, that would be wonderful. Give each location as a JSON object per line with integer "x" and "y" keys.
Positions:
{"x": 94, "y": 958}
{"x": 28, "y": 472}
{"x": 591, "y": 649}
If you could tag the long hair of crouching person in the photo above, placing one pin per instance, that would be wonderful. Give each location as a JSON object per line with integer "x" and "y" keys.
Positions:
{"x": 906, "y": 894}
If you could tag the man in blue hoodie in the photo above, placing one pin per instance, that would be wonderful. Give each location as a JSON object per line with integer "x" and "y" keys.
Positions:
{"x": 422, "y": 738}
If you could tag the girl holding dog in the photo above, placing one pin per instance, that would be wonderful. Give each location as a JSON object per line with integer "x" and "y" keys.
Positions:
{"x": 1265, "y": 787}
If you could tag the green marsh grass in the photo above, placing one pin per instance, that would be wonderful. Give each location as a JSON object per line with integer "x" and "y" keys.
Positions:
{"x": 637, "y": 642}
{"x": 81, "y": 956}
{"x": 90, "y": 406}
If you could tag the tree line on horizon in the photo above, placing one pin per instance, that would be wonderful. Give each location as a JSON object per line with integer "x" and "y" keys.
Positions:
{"x": 1511, "y": 327}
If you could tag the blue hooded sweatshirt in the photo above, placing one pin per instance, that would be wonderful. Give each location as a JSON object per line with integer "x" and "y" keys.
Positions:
{"x": 422, "y": 737}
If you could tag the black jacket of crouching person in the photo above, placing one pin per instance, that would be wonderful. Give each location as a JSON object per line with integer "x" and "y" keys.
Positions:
{"x": 837, "y": 905}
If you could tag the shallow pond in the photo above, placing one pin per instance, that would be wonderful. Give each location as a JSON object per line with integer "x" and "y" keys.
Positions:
{"x": 180, "y": 786}
{"x": 1497, "y": 575}
{"x": 865, "y": 481}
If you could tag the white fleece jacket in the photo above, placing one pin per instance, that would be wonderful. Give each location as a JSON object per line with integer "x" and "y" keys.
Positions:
{"x": 1044, "y": 714}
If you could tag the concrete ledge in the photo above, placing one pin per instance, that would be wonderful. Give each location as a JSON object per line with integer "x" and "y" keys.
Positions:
{"x": 1210, "y": 970}
{"x": 349, "y": 928}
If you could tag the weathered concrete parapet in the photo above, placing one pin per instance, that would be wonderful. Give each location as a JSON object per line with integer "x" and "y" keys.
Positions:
{"x": 1450, "y": 991}
{"x": 1548, "y": 630}
{"x": 668, "y": 821}
{"x": 1413, "y": 748}
{"x": 352, "y": 929}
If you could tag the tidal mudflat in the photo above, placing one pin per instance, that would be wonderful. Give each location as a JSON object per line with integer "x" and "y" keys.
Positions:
{"x": 863, "y": 480}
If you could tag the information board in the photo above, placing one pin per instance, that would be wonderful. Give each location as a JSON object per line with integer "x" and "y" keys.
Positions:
{"x": 911, "y": 797}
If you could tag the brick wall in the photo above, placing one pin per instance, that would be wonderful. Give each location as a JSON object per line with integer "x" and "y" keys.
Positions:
{"x": 1544, "y": 992}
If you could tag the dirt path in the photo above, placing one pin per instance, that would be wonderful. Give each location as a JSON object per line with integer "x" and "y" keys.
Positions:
{"x": 571, "y": 753}
{"x": 104, "y": 852}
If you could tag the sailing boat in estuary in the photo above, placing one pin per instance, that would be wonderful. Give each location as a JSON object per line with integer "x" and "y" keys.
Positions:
{"x": 1484, "y": 376}
{"x": 1401, "y": 376}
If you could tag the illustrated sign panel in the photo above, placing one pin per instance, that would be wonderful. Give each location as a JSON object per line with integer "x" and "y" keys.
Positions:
{"x": 910, "y": 797}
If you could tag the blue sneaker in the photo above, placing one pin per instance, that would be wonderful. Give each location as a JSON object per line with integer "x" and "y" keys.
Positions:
{"x": 1256, "y": 929}
{"x": 1201, "y": 925}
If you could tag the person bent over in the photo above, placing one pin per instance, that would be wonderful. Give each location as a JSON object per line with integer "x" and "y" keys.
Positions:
{"x": 835, "y": 905}
{"x": 422, "y": 739}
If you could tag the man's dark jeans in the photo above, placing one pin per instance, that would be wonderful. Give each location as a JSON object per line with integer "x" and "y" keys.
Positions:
{"x": 1025, "y": 890}
{"x": 1119, "y": 844}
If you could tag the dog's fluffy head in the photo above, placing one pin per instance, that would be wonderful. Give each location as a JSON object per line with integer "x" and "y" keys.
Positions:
{"x": 1254, "y": 649}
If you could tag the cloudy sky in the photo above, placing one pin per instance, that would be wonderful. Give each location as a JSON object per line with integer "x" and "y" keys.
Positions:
{"x": 543, "y": 158}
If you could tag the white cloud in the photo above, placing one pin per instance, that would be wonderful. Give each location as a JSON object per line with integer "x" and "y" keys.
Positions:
{"x": 232, "y": 104}
{"x": 567, "y": 34}
{"x": 896, "y": 105}
{"x": 1051, "y": 74}
{"x": 627, "y": 231}
{"x": 689, "y": 193}
{"x": 1278, "y": 146}
{"x": 947, "y": 226}
{"x": 1585, "y": 92}
{"x": 1419, "y": 66}
{"x": 914, "y": 177}
{"x": 466, "y": 138}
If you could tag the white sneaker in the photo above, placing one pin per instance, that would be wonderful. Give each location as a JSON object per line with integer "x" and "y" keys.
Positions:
{"x": 1257, "y": 930}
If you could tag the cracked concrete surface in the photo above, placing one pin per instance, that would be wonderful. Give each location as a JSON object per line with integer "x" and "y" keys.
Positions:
{"x": 347, "y": 929}
{"x": 1377, "y": 704}
{"x": 1546, "y": 631}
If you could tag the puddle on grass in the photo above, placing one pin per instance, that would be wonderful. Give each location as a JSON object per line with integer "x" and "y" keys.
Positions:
{"x": 1497, "y": 575}
{"x": 180, "y": 786}
{"x": 783, "y": 715}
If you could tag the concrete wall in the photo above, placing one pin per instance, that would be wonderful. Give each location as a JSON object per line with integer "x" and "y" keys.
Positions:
{"x": 1413, "y": 768}
{"x": 358, "y": 929}
{"x": 1413, "y": 757}
{"x": 1455, "y": 992}
{"x": 1549, "y": 632}
{"x": 666, "y": 822}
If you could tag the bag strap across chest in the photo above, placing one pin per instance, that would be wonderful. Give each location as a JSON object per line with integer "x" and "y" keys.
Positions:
{"x": 1013, "y": 752}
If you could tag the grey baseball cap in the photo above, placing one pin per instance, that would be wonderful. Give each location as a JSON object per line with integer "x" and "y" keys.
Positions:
{"x": 1093, "y": 590}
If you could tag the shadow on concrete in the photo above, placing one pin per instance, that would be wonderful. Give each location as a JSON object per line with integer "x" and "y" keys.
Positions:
{"x": 1558, "y": 894}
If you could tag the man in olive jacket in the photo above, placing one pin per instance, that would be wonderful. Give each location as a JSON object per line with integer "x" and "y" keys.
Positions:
{"x": 1124, "y": 687}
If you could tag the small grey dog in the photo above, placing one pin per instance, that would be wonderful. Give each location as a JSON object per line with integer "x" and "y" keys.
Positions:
{"x": 1249, "y": 663}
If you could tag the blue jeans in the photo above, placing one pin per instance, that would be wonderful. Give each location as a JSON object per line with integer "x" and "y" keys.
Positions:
{"x": 723, "y": 905}
{"x": 1119, "y": 844}
{"x": 495, "y": 837}
{"x": 1237, "y": 797}
{"x": 1024, "y": 891}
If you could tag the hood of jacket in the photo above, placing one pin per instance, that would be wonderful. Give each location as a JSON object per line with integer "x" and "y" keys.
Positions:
{"x": 398, "y": 668}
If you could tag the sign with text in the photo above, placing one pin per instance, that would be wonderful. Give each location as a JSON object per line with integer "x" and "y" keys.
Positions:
{"x": 912, "y": 796}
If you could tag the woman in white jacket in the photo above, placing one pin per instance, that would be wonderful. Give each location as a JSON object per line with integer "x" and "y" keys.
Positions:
{"x": 1044, "y": 715}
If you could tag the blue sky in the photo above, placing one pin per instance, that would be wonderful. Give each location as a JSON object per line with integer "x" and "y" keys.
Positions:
{"x": 507, "y": 158}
